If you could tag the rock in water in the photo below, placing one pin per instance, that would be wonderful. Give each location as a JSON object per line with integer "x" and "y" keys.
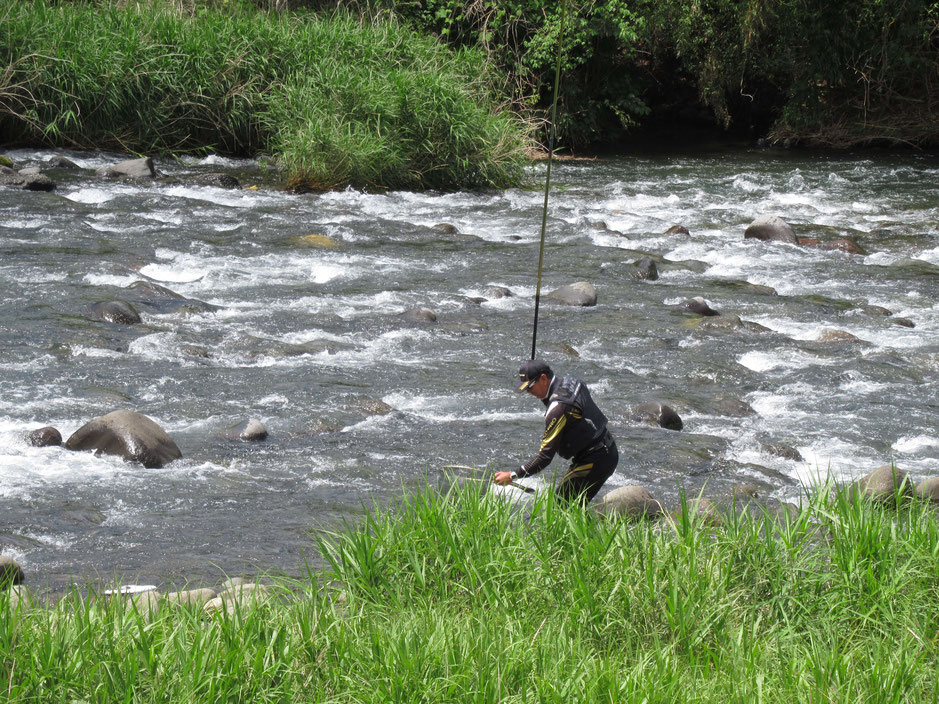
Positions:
{"x": 770, "y": 228}
{"x": 581, "y": 293}
{"x": 251, "y": 430}
{"x": 646, "y": 269}
{"x": 116, "y": 312}
{"x": 699, "y": 306}
{"x": 132, "y": 168}
{"x": 44, "y": 437}
{"x": 659, "y": 414}
{"x": 129, "y": 434}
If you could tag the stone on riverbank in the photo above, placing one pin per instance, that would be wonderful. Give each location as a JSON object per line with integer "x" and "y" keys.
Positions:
{"x": 11, "y": 574}
{"x": 658, "y": 414}
{"x": 928, "y": 489}
{"x": 147, "y": 604}
{"x": 701, "y": 511}
{"x": 237, "y": 597}
{"x": 770, "y": 228}
{"x": 129, "y": 434}
{"x": 580, "y": 293}
{"x": 631, "y": 502}
{"x": 19, "y": 594}
{"x": 44, "y": 437}
{"x": 190, "y": 597}
{"x": 884, "y": 484}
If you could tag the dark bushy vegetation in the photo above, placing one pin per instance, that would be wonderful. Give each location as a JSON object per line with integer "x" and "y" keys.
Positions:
{"x": 827, "y": 73}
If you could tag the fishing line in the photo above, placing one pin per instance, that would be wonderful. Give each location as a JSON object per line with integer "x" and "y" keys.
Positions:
{"x": 547, "y": 183}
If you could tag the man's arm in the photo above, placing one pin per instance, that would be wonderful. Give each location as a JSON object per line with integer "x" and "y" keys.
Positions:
{"x": 555, "y": 422}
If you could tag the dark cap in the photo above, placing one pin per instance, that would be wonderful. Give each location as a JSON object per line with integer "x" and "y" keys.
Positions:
{"x": 531, "y": 371}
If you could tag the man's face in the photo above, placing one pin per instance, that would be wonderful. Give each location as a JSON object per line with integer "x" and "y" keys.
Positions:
{"x": 540, "y": 388}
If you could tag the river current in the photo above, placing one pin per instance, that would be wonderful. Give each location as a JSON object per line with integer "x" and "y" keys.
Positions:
{"x": 365, "y": 399}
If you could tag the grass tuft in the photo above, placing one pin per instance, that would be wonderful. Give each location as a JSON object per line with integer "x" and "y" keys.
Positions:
{"x": 462, "y": 597}
{"x": 339, "y": 102}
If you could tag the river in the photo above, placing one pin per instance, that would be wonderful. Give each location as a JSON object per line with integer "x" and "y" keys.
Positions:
{"x": 364, "y": 401}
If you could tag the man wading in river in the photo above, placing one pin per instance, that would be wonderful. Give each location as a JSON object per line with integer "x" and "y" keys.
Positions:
{"x": 575, "y": 429}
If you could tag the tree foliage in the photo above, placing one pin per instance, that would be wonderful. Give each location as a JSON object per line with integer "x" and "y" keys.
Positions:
{"x": 860, "y": 71}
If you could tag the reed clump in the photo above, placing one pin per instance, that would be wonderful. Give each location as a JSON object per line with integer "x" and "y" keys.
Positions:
{"x": 460, "y": 597}
{"x": 339, "y": 101}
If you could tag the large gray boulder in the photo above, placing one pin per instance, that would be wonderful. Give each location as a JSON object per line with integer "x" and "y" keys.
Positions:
{"x": 631, "y": 502}
{"x": 581, "y": 293}
{"x": 771, "y": 228}
{"x": 132, "y": 168}
{"x": 128, "y": 434}
{"x": 883, "y": 484}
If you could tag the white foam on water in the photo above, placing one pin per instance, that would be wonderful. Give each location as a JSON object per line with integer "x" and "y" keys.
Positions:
{"x": 110, "y": 279}
{"x": 223, "y": 196}
{"x": 324, "y": 272}
{"x": 795, "y": 329}
{"x": 160, "y": 345}
{"x": 782, "y": 359}
{"x": 85, "y": 351}
{"x": 447, "y": 409}
{"x": 303, "y": 336}
{"x": 38, "y": 276}
{"x": 93, "y": 196}
{"x": 835, "y": 458}
{"x": 779, "y": 404}
{"x": 172, "y": 273}
{"x": 216, "y": 160}
{"x": 27, "y": 224}
{"x": 913, "y": 444}
{"x": 165, "y": 217}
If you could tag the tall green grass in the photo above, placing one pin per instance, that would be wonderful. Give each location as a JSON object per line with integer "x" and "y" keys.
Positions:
{"x": 460, "y": 597}
{"x": 341, "y": 102}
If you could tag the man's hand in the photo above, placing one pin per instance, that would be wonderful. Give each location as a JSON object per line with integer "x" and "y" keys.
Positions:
{"x": 502, "y": 478}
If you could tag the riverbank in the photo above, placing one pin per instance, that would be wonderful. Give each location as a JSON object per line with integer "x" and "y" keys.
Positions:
{"x": 335, "y": 100}
{"x": 460, "y": 597}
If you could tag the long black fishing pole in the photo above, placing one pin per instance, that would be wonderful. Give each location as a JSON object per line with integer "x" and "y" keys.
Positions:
{"x": 547, "y": 183}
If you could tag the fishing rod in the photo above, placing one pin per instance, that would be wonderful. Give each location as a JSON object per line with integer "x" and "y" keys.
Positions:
{"x": 547, "y": 184}
{"x": 526, "y": 489}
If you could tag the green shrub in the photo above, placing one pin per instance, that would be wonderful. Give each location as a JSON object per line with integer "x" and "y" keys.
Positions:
{"x": 341, "y": 101}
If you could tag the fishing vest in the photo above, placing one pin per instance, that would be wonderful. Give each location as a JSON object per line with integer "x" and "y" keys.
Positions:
{"x": 581, "y": 434}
